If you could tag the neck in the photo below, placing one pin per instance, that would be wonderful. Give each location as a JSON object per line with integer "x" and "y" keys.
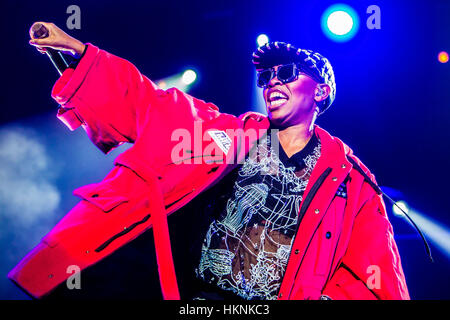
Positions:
{"x": 294, "y": 138}
{"x": 297, "y": 134}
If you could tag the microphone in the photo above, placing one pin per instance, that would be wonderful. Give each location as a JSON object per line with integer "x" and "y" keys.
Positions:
{"x": 39, "y": 31}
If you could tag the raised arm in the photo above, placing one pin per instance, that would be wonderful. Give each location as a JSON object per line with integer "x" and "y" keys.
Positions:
{"x": 105, "y": 94}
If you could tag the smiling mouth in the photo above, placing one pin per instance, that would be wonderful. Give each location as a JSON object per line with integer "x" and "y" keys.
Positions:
{"x": 278, "y": 102}
{"x": 276, "y": 99}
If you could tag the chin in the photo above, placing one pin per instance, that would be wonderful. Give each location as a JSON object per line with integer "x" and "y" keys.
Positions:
{"x": 277, "y": 121}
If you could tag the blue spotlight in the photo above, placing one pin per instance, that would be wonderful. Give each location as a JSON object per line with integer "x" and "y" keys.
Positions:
{"x": 262, "y": 40}
{"x": 340, "y": 22}
{"x": 398, "y": 207}
{"x": 189, "y": 77}
{"x": 435, "y": 231}
{"x": 182, "y": 81}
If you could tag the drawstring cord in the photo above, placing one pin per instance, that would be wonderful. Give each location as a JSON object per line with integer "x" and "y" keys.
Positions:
{"x": 379, "y": 191}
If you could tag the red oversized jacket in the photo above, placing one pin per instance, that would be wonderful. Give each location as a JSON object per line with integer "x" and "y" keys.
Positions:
{"x": 115, "y": 103}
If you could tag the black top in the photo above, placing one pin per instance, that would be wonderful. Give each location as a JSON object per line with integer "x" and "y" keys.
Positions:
{"x": 246, "y": 249}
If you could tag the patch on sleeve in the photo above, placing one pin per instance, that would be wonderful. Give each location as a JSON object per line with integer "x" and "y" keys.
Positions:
{"x": 222, "y": 140}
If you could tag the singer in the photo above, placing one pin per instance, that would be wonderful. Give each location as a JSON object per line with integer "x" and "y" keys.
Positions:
{"x": 277, "y": 208}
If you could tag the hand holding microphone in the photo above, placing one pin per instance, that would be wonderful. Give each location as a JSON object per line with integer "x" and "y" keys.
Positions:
{"x": 48, "y": 35}
{"x": 49, "y": 39}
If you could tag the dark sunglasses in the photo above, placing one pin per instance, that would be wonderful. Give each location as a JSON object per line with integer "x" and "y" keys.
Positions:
{"x": 285, "y": 73}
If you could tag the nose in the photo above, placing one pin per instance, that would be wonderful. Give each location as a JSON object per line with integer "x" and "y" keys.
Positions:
{"x": 273, "y": 82}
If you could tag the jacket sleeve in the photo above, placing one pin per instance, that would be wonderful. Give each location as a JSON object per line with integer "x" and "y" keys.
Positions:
{"x": 107, "y": 96}
{"x": 371, "y": 267}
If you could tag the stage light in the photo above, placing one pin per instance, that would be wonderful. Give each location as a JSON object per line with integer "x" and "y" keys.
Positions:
{"x": 162, "y": 84}
{"x": 397, "y": 211}
{"x": 182, "y": 81}
{"x": 258, "y": 103}
{"x": 262, "y": 40}
{"x": 340, "y": 22}
{"x": 434, "y": 230}
{"x": 443, "y": 57}
{"x": 189, "y": 77}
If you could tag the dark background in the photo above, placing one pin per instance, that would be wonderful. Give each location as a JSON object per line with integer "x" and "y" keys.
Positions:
{"x": 392, "y": 105}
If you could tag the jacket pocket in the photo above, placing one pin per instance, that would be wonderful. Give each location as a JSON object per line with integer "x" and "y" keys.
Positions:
{"x": 121, "y": 233}
{"x": 104, "y": 210}
{"x": 345, "y": 286}
{"x": 101, "y": 196}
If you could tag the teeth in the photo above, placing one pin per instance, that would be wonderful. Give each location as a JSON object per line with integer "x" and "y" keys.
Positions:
{"x": 277, "y": 94}
{"x": 278, "y": 102}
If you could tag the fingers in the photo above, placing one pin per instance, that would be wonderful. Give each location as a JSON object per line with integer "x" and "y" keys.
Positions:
{"x": 47, "y": 25}
{"x": 39, "y": 43}
{"x": 38, "y": 48}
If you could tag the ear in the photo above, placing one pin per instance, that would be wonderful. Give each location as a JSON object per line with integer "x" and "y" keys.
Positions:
{"x": 322, "y": 92}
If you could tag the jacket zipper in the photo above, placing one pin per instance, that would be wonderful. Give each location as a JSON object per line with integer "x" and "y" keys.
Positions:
{"x": 178, "y": 200}
{"x": 307, "y": 201}
{"x": 122, "y": 233}
{"x": 310, "y": 196}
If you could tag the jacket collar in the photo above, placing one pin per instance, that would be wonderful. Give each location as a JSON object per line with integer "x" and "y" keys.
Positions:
{"x": 332, "y": 146}
{"x": 333, "y": 155}
{"x": 333, "y": 152}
